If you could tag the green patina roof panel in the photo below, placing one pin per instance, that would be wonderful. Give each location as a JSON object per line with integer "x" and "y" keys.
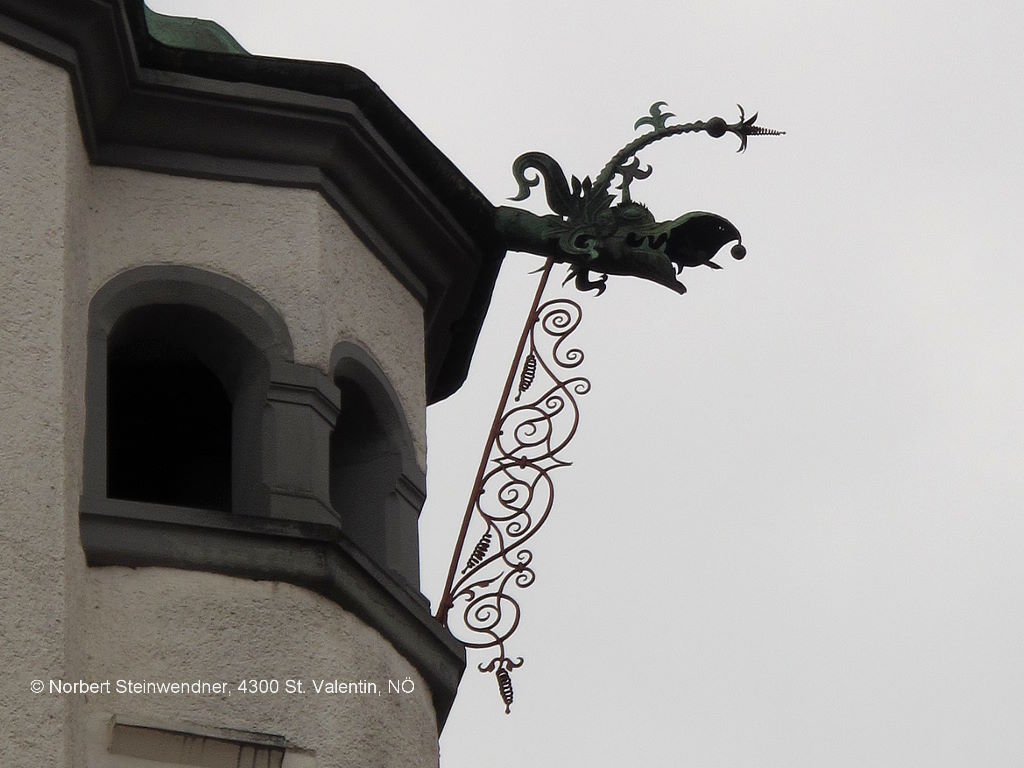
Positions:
{"x": 194, "y": 34}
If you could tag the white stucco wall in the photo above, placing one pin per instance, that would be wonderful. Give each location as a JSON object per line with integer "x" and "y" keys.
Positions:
{"x": 76, "y": 303}
{"x": 33, "y": 478}
{"x": 380, "y": 322}
{"x": 198, "y": 626}
{"x": 67, "y": 228}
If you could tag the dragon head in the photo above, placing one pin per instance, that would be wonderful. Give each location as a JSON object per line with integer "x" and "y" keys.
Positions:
{"x": 591, "y": 233}
{"x": 629, "y": 241}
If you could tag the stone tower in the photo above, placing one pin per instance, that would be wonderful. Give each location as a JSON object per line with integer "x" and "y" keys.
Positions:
{"x": 231, "y": 285}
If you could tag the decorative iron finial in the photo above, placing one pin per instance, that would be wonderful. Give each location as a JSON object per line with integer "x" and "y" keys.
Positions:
{"x": 591, "y": 234}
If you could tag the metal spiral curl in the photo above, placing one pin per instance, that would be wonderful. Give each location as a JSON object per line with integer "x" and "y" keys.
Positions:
{"x": 505, "y": 687}
{"x": 479, "y": 552}
{"x": 528, "y": 375}
{"x": 515, "y": 494}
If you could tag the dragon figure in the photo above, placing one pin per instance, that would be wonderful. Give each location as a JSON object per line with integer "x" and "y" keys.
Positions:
{"x": 592, "y": 233}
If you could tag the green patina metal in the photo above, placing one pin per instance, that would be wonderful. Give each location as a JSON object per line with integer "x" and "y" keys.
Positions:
{"x": 591, "y": 234}
{"x": 192, "y": 34}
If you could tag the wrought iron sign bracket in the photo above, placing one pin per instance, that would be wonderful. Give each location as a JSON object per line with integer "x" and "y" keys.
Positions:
{"x": 513, "y": 493}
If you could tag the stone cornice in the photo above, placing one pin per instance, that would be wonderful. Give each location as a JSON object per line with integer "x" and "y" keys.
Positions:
{"x": 318, "y": 557}
{"x": 328, "y": 127}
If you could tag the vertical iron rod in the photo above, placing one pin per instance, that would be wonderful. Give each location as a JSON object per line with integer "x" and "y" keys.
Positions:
{"x": 446, "y": 597}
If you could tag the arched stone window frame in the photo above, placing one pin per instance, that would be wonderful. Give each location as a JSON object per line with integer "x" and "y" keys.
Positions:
{"x": 258, "y": 326}
{"x": 288, "y": 532}
{"x": 387, "y": 517}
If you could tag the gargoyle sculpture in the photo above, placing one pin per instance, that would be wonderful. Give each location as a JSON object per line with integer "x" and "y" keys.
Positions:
{"x": 593, "y": 235}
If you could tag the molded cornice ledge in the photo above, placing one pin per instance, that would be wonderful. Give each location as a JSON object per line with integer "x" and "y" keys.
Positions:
{"x": 328, "y": 127}
{"x": 318, "y": 557}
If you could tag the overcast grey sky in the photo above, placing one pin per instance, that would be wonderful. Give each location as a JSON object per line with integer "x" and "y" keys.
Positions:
{"x": 792, "y": 533}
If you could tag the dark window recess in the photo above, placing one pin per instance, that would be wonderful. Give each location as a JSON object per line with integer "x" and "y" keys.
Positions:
{"x": 365, "y": 467}
{"x": 168, "y": 418}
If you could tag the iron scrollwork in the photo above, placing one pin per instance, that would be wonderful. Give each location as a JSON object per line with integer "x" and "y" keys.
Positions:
{"x": 515, "y": 495}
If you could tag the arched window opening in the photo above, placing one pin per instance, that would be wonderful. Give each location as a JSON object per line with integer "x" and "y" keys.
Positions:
{"x": 169, "y": 408}
{"x": 376, "y": 484}
{"x": 365, "y": 467}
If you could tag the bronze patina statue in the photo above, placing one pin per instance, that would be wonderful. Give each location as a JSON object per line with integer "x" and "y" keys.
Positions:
{"x": 591, "y": 234}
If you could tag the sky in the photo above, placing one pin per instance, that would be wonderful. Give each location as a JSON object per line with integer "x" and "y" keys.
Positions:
{"x": 791, "y": 533}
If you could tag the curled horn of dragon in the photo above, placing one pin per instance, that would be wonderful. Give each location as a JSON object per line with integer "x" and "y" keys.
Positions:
{"x": 593, "y": 234}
